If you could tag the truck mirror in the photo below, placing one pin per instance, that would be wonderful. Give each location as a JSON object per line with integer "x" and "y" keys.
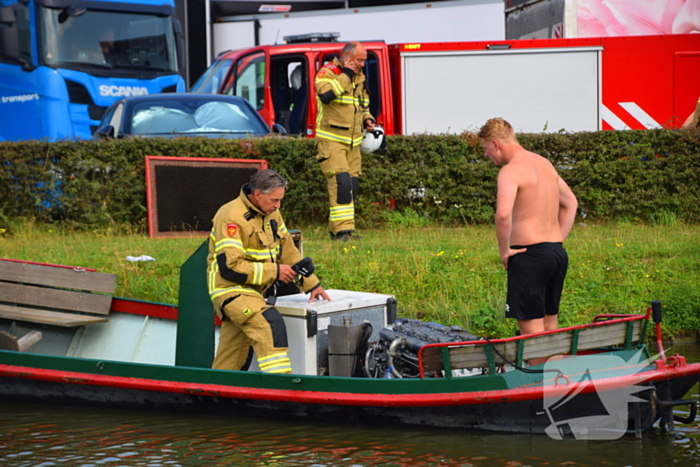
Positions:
{"x": 177, "y": 26}
{"x": 104, "y": 132}
{"x": 179, "y": 43}
{"x": 180, "y": 46}
{"x": 278, "y": 129}
{"x": 7, "y": 15}
{"x": 69, "y": 11}
{"x": 9, "y": 38}
{"x": 9, "y": 43}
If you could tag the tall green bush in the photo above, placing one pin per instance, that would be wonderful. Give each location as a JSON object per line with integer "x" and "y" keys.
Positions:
{"x": 650, "y": 176}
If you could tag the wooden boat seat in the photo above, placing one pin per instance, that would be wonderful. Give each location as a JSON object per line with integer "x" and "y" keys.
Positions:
{"x": 564, "y": 341}
{"x": 55, "y": 295}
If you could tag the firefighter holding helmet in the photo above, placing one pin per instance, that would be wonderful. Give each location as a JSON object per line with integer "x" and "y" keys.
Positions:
{"x": 343, "y": 118}
{"x": 250, "y": 249}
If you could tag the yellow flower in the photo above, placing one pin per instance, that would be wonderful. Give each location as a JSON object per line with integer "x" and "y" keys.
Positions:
{"x": 2, "y": 231}
{"x": 440, "y": 253}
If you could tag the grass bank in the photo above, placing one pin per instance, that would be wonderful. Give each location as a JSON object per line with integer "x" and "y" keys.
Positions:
{"x": 448, "y": 275}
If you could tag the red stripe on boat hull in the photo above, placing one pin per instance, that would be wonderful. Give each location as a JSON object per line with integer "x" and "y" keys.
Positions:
{"x": 344, "y": 398}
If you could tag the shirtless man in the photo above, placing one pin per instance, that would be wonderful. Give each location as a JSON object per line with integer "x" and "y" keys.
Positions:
{"x": 535, "y": 210}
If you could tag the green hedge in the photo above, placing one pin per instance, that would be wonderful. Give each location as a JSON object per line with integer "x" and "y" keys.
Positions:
{"x": 634, "y": 175}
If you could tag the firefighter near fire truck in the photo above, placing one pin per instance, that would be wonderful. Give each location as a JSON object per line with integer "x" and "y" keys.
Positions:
{"x": 250, "y": 250}
{"x": 341, "y": 125}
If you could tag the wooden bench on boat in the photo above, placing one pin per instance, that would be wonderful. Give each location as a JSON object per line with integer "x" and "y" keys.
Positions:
{"x": 55, "y": 295}
{"x": 606, "y": 331}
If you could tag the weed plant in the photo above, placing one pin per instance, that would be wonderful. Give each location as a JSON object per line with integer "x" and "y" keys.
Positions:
{"x": 448, "y": 275}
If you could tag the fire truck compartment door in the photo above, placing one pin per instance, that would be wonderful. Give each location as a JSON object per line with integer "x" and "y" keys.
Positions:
{"x": 536, "y": 90}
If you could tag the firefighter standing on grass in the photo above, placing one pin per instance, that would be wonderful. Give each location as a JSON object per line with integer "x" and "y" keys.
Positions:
{"x": 249, "y": 250}
{"x": 343, "y": 113}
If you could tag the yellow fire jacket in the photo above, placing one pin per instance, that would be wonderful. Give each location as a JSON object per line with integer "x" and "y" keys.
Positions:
{"x": 343, "y": 104}
{"x": 245, "y": 248}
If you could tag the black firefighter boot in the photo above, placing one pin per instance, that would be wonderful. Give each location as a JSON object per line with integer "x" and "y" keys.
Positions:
{"x": 345, "y": 235}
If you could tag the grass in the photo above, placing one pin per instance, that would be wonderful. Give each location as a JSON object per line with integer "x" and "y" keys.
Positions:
{"x": 447, "y": 275}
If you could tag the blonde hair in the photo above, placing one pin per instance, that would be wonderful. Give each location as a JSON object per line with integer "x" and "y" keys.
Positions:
{"x": 497, "y": 128}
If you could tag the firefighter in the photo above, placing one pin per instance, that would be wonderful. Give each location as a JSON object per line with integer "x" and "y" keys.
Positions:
{"x": 343, "y": 113}
{"x": 249, "y": 250}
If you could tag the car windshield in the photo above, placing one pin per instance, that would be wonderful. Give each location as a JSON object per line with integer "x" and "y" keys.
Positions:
{"x": 195, "y": 117}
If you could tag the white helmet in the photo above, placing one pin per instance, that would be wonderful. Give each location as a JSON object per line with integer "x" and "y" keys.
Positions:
{"x": 372, "y": 140}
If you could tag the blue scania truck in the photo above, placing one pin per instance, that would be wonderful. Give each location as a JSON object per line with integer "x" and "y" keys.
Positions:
{"x": 63, "y": 62}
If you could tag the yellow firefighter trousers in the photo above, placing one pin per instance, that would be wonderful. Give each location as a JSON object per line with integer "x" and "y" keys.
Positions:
{"x": 336, "y": 159}
{"x": 244, "y": 327}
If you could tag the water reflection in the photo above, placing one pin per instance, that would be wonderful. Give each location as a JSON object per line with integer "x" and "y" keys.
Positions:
{"x": 36, "y": 435}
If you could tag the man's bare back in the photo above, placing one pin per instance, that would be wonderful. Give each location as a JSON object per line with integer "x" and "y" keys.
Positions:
{"x": 535, "y": 210}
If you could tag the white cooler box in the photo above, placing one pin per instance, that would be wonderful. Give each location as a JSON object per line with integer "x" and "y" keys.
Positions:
{"x": 307, "y": 323}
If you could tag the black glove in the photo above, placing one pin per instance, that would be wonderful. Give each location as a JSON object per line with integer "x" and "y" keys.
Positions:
{"x": 305, "y": 267}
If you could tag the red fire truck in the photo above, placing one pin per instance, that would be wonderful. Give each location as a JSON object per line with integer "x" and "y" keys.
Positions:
{"x": 541, "y": 85}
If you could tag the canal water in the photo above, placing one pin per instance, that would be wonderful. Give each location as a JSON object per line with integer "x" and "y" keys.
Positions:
{"x": 40, "y": 435}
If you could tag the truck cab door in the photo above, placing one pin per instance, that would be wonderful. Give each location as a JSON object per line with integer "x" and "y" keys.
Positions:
{"x": 249, "y": 80}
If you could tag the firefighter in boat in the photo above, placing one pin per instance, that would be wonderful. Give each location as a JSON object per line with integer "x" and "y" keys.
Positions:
{"x": 250, "y": 249}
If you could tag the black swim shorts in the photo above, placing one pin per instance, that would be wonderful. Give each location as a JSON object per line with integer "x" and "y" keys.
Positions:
{"x": 535, "y": 280}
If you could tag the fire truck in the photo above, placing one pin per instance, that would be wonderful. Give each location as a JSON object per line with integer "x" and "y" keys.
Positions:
{"x": 539, "y": 85}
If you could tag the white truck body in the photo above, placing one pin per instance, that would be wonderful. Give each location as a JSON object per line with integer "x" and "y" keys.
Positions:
{"x": 458, "y": 20}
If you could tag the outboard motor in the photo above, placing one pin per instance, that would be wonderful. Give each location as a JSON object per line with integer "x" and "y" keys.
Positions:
{"x": 399, "y": 343}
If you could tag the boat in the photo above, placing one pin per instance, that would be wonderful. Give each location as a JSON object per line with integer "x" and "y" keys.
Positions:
{"x": 597, "y": 380}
